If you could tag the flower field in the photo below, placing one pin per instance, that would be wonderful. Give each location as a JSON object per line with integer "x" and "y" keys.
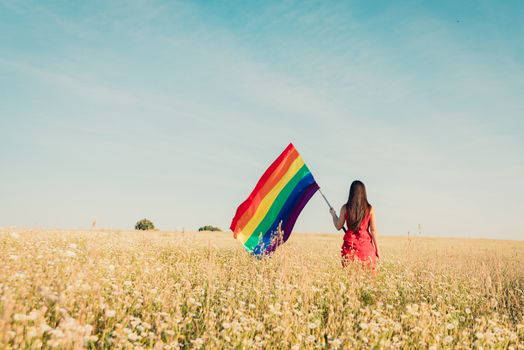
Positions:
{"x": 166, "y": 290}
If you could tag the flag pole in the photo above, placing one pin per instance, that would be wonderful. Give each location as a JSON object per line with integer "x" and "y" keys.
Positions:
{"x": 330, "y": 207}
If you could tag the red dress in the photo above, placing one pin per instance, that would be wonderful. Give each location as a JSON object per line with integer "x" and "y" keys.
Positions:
{"x": 358, "y": 245}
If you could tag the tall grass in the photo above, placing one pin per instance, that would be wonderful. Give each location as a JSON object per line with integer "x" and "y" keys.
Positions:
{"x": 201, "y": 290}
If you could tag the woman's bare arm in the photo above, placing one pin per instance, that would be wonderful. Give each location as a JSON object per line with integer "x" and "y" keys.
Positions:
{"x": 338, "y": 221}
{"x": 373, "y": 231}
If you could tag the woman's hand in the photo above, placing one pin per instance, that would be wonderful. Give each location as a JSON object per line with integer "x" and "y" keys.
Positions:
{"x": 377, "y": 254}
{"x": 333, "y": 212}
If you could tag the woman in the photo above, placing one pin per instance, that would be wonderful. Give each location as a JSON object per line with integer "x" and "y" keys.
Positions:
{"x": 360, "y": 240}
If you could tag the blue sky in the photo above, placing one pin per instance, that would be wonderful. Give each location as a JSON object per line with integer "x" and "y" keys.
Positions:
{"x": 118, "y": 110}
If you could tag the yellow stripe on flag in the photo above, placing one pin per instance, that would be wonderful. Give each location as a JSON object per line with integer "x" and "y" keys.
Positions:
{"x": 268, "y": 200}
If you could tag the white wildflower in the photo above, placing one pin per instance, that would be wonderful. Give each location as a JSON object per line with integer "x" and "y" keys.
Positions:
{"x": 110, "y": 313}
{"x": 310, "y": 339}
{"x": 19, "y": 275}
{"x": 479, "y": 335}
{"x": 90, "y": 338}
{"x": 335, "y": 343}
{"x": 395, "y": 339}
{"x": 31, "y": 332}
{"x": 70, "y": 253}
{"x": 33, "y": 315}
{"x": 133, "y": 336}
{"x": 44, "y": 327}
{"x": 57, "y": 333}
{"x": 197, "y": 343}
{"x": 19, "y": 317}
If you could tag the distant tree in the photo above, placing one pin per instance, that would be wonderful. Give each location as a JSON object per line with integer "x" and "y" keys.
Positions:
{"x": 144, "y": 225}
{"x": 209, "y": 228}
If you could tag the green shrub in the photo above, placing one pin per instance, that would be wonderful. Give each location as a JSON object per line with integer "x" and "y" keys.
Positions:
{"x": 144, "y": 225}
{"x": 209, "y": 228}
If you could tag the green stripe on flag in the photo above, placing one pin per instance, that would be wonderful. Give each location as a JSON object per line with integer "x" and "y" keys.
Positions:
{"x": 277, "y": 205}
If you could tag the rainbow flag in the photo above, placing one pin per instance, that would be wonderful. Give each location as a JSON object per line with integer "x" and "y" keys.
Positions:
{"x": 278, "y": 198}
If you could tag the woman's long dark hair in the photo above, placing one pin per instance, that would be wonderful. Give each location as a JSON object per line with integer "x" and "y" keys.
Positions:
{"x": 357, "y": 206}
